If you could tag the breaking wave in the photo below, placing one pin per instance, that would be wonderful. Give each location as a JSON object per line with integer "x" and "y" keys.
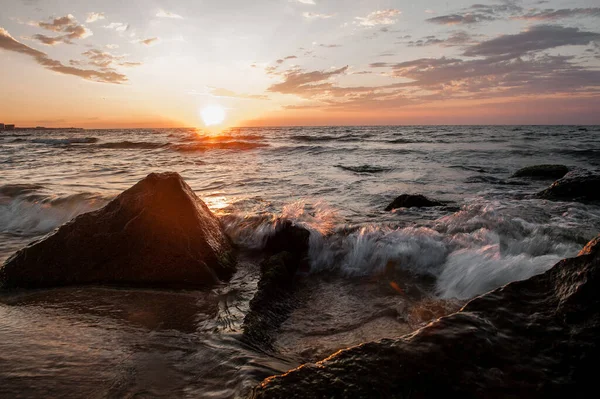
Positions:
{"x": 467, "y": 253}
{"x": 25, "y": 211}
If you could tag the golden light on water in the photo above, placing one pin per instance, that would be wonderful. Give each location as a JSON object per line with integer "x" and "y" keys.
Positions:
{"x": 217, "y": 203}
{"x": 213, "y": 115}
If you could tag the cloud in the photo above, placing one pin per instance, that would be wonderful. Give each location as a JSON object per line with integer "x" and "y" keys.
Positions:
{"x": 536, "y": 38}
{"x": 68, "y": 25}
{"x": 297, "y": 81}
{"x": 58, "y": 24}
{"x": 458, "y": 38}
{"x": 220, "y": 92}
{"x": 117, "y": 26}
{"x": 330, "y": 45}
{"x": 102, "y": 59}
{"x": 7, "y": 42}
{"x": 149, "y": 41}
{"x": 312, "y": 2}
{"x": 552, "y": 15}
{"x": 112, "y": 46}
{"x": 312, "y": 15}
{"x": 94, "y": 16}
{"x": 47, "y": 40}
{"x": 289, "y": 57}
{"x": 509, "y": 65}
{"x": 382, "y": 17}
{"x": 166, "y": 14}
{"x": 130, "y": 64}
{"x": 461, "y": 19}
{"x": 494, "y": 77}
{"x": 478, "y": 13}
{"x": 499, "y": 68}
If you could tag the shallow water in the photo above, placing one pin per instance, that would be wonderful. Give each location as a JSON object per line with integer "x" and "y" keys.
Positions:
{"x": 374, "y": 274}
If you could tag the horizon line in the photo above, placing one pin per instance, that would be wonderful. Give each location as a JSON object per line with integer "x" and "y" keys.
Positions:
{"x": 298, "y": 126}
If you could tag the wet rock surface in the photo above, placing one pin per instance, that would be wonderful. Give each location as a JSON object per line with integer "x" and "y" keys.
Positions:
{"x": 157, "y": 233}
{"x": 277, "y": 288}
{"x": 579, "y": 185}
{"x": 533, "y": 338}
{"x": 412, "y": 201}
{"x": 542, "y": 172}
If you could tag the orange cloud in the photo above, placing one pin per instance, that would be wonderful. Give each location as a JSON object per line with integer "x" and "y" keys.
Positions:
{"x": 7, "y": 42}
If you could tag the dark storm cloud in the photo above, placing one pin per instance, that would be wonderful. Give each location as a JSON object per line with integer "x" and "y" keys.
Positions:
{"x": 539, "y": 37}
{"x": 7, "y": 42}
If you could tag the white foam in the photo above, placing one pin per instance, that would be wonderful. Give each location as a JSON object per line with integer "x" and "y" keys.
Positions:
{"x": 470, "y": 252}
{"x": 30, "y": 217}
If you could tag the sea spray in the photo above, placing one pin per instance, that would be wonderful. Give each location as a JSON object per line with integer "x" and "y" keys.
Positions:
{"x": 35, "y": 214}
{"x": 469, "y": 252}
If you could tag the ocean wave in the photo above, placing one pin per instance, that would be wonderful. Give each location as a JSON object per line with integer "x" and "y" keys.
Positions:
{"x": 467, "y": 253}
{"x": 218, "y": 145}
{"x": 15, "y": 190}
{"x": 495, "y": 181}
{"x": 66, "y": 141}
{"x": 31, "y": 215}
{"x": 342, "y": 138}
{"x": 142, "y": 145}
{"x": 310, "y": 138}
{"x": 364, "y": 168}
{"x": 403, "y": 141}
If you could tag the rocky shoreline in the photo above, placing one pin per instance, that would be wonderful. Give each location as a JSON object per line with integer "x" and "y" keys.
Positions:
{"x": 533, "y": 338}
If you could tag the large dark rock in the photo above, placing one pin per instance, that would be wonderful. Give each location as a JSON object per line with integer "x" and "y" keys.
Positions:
{"x": 412, "y": 201}
{"x": 542, "y": 171}
{"x": 576, "y": 185}
{"x": 275, "y": 295}
{"x": 288, "y": 237}
{"x": 534, "y": 338}
{"x": 157, "y": 233}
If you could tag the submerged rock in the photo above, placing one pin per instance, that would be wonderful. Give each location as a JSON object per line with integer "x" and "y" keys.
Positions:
{"x": 412, "y": 201}
{"x": 275, "y": 294}
{"x": 156, "y": 233}
{"x": 534, "y": 338}
{"x": 575, "y": 185}
{"x": 542, "y": 171}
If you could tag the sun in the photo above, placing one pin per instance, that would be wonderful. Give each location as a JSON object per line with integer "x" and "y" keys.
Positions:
{"x": 213, "y": 115}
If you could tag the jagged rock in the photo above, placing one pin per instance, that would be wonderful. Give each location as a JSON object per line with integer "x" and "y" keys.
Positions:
{"x": 412, "y": 201}
{"x": 534, "y": 338}
{"x": 288, "y": 237}
{"x": 542, "y": 171}
{"x": 156, "y": 233}
{"x": 575, "y": 185}
{"x": 274, "y": 298}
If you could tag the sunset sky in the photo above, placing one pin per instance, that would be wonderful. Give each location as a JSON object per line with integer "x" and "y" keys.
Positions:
{"x": 135, "y": 63}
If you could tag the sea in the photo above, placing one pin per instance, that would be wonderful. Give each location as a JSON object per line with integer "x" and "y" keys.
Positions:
{"x": 373, "y": 274}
